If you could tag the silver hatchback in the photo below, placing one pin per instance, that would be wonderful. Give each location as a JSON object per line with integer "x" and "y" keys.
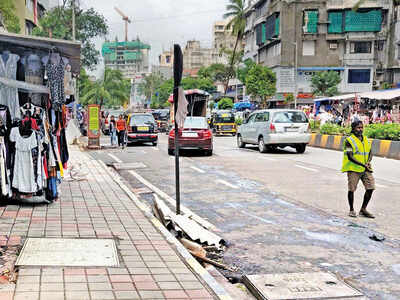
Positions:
{"x": 274, "y": 128}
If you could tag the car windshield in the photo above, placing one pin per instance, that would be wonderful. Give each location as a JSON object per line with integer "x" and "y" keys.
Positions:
{"x": 224, "y": 118}
{"x": 290, "y": 117}
{"x": 141, "y": 119}
{"x": 195, "y": 123}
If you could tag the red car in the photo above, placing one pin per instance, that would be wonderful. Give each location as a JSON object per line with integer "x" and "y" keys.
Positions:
{"x": 194, "y": 135}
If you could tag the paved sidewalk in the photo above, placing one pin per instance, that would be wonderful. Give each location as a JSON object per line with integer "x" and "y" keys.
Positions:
{"x": 97, "y": 208}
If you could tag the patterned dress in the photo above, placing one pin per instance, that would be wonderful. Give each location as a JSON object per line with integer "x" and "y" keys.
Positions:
{"x": 55, "y": 73}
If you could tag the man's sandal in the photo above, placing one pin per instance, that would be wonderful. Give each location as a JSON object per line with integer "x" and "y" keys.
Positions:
{"x": 366, "y": 214}
{"x": 352, "y": 214}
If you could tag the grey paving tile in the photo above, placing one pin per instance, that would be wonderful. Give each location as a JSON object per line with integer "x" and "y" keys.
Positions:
{"x": 102, "y": 295}
{"x": 27, "y": 287}
{"x": 191, "y": 285}
{"x": 81, "y": 295}
{"x": 99, "y": 286}
{"x": 151, "y": 295}
{"x": 76, "y": 286}
{"x": 52, "y": 287}
{"x": 128, "y": 295}
{"x": 52, "y": 296}
{"x": 26, "y": 296}
{"x": 169, "y": 285}
{"x": 97, "y": 278}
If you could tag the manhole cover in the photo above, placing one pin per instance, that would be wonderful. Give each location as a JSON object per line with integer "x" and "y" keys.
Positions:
{"x": 68, "y": 252}
{"x": 292, "y": 286}
{"x": 129, "y": 166}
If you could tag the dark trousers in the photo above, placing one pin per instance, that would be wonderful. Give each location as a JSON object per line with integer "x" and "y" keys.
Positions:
{"x": 121, "y": 138}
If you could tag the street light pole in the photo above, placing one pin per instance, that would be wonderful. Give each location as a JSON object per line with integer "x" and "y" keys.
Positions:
{"x": 295, "y": 76}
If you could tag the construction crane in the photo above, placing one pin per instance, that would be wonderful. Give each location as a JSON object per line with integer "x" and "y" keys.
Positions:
{"x": 126, "y": 19}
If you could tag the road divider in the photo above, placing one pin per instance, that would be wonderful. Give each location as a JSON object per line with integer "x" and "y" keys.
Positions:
{"x": 382, "y": 148}
{"x": 227, "y": 184}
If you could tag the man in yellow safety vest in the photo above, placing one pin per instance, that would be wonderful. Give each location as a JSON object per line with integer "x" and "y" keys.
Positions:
{"x": 357, "y": 163}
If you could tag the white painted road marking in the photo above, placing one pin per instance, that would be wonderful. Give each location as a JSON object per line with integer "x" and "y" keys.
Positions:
{"x": 381, "y": 186}
{"x": 115, "y": 158}
{"x": 197, "y": 169}
{"x": 305, "y": 168}
{"x": 268, "y": 158}
{"x": 156, "y": 149}
{"x": 238, "y": 207}
{"x": 172, "y": 201}
{"x": 227, "y": 184}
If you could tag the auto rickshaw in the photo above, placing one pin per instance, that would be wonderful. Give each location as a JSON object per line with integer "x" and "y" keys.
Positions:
{"x": 223, "y": 122}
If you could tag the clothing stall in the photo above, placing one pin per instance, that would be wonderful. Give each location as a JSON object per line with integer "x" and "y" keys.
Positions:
{"x": 36, "y": 84}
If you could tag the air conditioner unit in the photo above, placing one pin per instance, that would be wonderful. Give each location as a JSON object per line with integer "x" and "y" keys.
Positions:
{"x": 333, "y": 45}
{"x": 376, "y": 83}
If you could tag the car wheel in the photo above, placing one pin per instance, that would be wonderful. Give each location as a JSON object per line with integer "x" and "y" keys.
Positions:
{"x": 208, "y": 152}
{"x": 170, "y": 152}
{"x": 301, "y": 148}
{"x": 234, "y": 133}
{"x": 261, "y": 145}
{"x": 240, "y": 143}
{"x": 154, "y": 144}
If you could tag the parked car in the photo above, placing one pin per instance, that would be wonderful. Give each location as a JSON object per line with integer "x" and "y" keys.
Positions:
{"x": 274, "y": 128}
{"x": 142, "y": 128}
{"x": 195, "y": 135}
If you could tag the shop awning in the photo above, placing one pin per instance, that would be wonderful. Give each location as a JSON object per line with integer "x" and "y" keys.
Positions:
{"x": 382, "y": 94}
{"x": 341, "y": 97}
{"x": 25, "y": 44}
{"x": 320, "y": 69}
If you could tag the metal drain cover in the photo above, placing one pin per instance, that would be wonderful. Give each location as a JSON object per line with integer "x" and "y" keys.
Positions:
{"x": 129, "y": 166}
{"x": 290, "y": 286}
{"x": 68, "y": 252}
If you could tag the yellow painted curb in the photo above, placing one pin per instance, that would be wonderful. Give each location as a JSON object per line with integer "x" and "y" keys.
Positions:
{"x": 313, "y": 137}
{"x": 384, "y": 147}
{"x": 336, "y": 141}
{"x": 324, "y": 140}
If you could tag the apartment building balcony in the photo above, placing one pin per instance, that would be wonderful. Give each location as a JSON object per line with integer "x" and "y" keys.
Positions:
{"x": 346, "y": 4}
{"x": 358, "y": 59}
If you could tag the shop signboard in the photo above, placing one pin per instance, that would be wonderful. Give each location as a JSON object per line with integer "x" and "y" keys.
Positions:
{"x": 94, "y": 131}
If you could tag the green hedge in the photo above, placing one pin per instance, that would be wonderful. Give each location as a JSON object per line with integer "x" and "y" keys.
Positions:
{"x": 373, "y": 131}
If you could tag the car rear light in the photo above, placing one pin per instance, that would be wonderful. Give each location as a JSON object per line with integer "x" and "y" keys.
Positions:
{"x": 207, "y": 134}
{"x": 272, "y": 128}
{"x": 172, "y": 133}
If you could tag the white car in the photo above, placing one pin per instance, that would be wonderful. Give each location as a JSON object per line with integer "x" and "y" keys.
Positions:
{"x": 274, "y": 128}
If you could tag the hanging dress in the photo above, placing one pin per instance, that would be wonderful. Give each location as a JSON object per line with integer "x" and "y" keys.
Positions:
{"x": 34, "y": 74}
{"x": 9, "y": 95}
{"x": 55, "y": 74}
{"x": 24, "y": 179}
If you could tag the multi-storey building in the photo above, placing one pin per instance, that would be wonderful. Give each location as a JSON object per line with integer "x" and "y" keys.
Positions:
{"x": 224, "y": 40}
{"x": 131, "y": 58}
{"x": 165, "y": 65}
{"x": 29, "y": 12}
{"x": 323, "y": 35}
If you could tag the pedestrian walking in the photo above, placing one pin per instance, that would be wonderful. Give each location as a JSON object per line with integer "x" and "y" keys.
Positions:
{"x": 357, "y": 164}
{"x": 121, "y": 128}
{"x": 113, "y": 131}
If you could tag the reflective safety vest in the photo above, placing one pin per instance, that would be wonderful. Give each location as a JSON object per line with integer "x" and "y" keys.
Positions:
{"x": 361, "y": 150}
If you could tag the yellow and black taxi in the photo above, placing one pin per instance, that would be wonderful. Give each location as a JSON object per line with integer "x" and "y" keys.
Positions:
{"x": 223, "y": 122}
{"x": 142, "y": 128}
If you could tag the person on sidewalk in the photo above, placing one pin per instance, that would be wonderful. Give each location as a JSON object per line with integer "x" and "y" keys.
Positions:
{"x": 113, "y": 131}
{"x": 121, "y": 128}
{"x": 357, "y": 158}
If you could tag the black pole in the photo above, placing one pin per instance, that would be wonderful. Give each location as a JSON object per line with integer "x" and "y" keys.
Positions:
{"x": 178, "y": 68}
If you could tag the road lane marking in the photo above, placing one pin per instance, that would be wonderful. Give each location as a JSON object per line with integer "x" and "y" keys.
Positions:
{"x": 227, "y": 184}
{"x": 156, "y": 149}
{"x": 381, "y": 186}
{"x": 197, "y": 169}
{"x": 172, "y": 201}
{"x": 238, "y": 207}
{"x": 268, "y": 158}
{"x": 305, "y": 168}
{"x": 115, "y": 158}
{"x": 189, "y": 159}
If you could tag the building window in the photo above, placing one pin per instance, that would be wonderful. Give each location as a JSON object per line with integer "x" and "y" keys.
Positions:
{"x": 368, "y": 21}
{"x": 335, "y": 19}
{"x": 308, "y": 48}
{"x": 360, "y": 47}
{"x": 310, "y": 21}
{"x": 168, "y": 59}
{"x": 379, "y": 45}
{"x": 359, "y": 76}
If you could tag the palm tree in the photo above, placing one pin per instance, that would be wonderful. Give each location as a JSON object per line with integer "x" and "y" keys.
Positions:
{"x": 111, "y": 89}
{"x": 235, "y": 10}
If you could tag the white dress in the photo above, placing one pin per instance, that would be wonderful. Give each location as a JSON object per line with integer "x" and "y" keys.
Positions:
{"x": 24, "y": 174}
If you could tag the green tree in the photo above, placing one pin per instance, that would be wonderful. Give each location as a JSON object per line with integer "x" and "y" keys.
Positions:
{"x": 205, "y": 84}
{"x": 215, "y": 72}
{"x": 261, "y": 82}
{"x": 149, "y": 88}
{"x": 236, "y": 11}
{"x": 111, "y": 90}
{"x": 325, "y": 83}
{"x": 89, "y": 25}
{"x": 225, "y": 103}
{"x": 242, "y": 72}
{"x": 7, "y": 10}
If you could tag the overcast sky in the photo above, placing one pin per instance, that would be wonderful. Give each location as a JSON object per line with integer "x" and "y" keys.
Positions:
{"x": 161, "y": 23}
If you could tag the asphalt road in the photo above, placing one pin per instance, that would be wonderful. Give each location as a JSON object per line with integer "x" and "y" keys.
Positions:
{"x": 282, "y": 211}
